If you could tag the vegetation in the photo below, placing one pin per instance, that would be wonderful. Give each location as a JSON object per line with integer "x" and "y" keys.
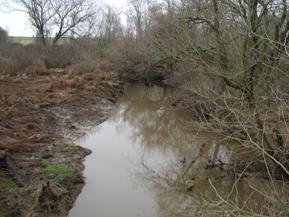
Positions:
{"x": 7, "y": 212}
{"x": 57, "y": 171}
{"x": 63, "y": 17}
{"x": 70, "y": 148}
{"x": 3, "y": 36}
{"x": 7, "y": 182}
{"x": 31, "y": 40}
{"x": 231, "y": 57}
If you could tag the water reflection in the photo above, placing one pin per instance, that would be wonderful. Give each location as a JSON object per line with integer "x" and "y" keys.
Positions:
{"x": 200, "y": 159}
{"x": 148, "y": 137}
{"x": 158, "y": 126}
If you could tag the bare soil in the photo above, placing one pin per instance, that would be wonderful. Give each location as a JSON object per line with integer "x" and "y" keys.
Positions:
{"x": 39, "y": 117}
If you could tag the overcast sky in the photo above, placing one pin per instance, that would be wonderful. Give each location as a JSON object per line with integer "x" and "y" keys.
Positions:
{"x": 17, "y": 23}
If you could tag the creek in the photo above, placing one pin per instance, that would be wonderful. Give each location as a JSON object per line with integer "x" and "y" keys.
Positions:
{"x": 145, "y": 133}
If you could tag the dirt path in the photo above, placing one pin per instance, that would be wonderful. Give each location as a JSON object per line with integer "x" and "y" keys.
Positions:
{"x": 39, "y": 116}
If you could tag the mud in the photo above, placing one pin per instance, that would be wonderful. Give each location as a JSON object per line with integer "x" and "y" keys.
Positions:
{"x": 40, "y": 116}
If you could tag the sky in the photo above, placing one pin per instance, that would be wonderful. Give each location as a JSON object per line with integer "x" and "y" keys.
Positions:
{"x": 17, "y": 23}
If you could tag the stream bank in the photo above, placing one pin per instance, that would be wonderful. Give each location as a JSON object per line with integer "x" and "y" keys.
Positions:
{"x": 40, "y": 117}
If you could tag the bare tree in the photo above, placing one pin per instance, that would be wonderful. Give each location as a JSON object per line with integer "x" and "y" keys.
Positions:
{"x": 139, "y": 16}
{"x": 109, "y": 26}
{"x": 40, "y": 14}
{"x": 69, "y": 14}
{"x": 56, "y": 17}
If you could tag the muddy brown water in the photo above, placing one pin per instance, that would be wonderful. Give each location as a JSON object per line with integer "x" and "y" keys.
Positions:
{"x": 145, "y": 131}
{"x": 112, "y": 188}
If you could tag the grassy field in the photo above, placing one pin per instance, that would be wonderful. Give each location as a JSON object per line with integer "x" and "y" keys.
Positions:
{"x": 30, "y": 40}
{"x": 22, "y": 40}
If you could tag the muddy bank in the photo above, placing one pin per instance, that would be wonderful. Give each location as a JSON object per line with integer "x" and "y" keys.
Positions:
{"x": 39, "y": 117}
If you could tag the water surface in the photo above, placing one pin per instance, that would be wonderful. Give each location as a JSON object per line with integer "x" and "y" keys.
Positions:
{"x": 112, "y": 187}
{"x": 145, "y": 133}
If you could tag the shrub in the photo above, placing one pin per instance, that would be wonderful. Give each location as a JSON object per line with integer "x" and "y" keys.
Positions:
{"x": 16, "y": 58}
{"x": 3, "y": 35}
{"x": 60, "y": 56}
{"x": 136, "y": 60}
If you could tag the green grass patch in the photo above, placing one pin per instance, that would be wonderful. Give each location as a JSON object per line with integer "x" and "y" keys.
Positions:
{"x": 57, "y": 171}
